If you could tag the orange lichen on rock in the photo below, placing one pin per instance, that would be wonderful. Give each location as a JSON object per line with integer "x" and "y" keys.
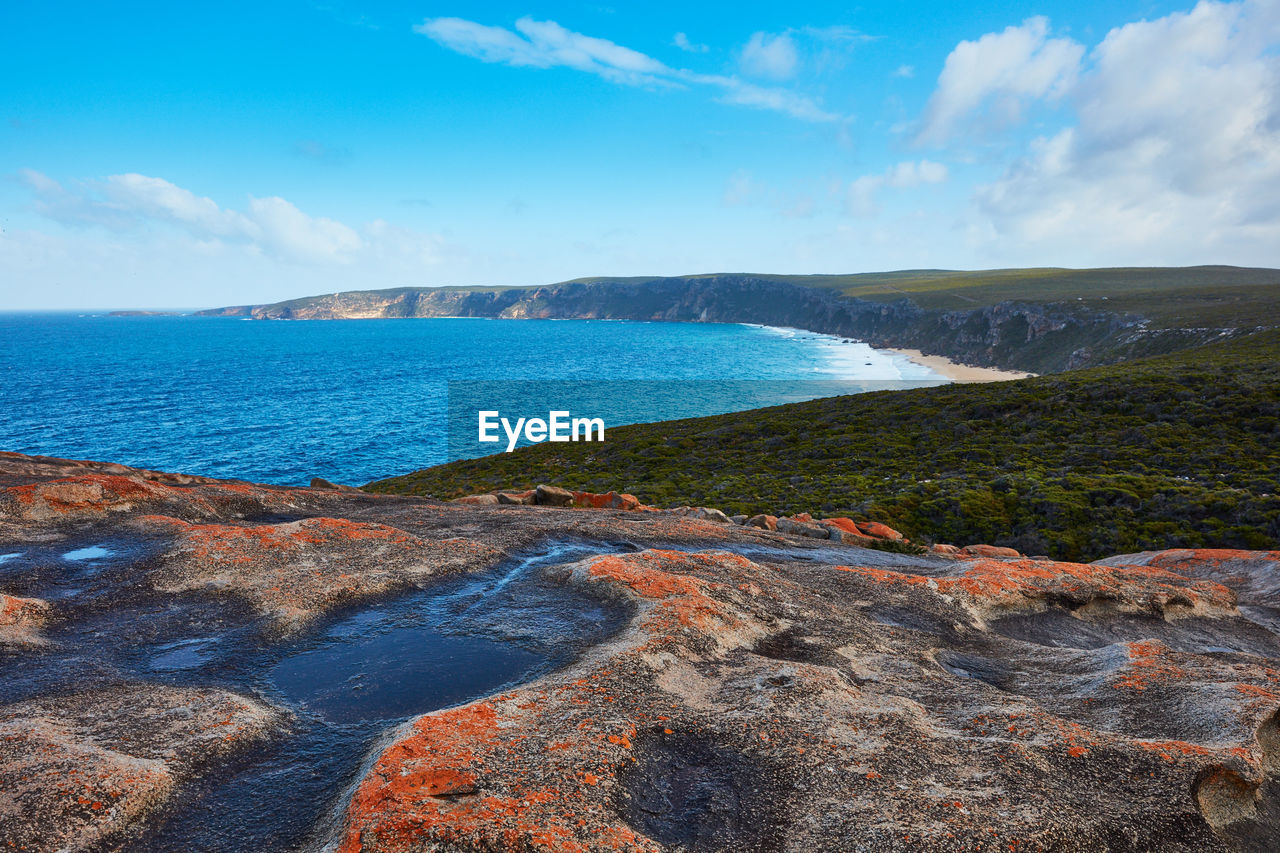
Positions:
{"x": 1149, "y": 665}
{"x": 84, "y": 494}
{"x": 299, "y": 568}
{"x": 1011, "y": 583}
{"x": 21, "y": 619}
{"x": 988, "y": 551}
{"x": 242, "y": 543}
{"x": 461, "y": 777}
{"x": 876, "y": 530}
{"x": 1183, "y": 557}
{"x": 607, "y": 500}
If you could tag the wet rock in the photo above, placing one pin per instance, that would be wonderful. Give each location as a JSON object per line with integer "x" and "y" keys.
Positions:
{"x": 21, "y": 620}
{"x": 553, "y": 496}
{"x": 764, "y": 522}
{"x": 77, "y": 771}
{"x": 994, "y": 551}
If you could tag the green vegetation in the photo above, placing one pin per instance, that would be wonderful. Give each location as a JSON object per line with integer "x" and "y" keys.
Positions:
{"x": 1171, "y": 451}
{"x": 1171, "y": 297}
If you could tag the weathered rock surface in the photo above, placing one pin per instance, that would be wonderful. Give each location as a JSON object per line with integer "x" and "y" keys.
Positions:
{"x": 771, "y": 692}
{"x": 79, "y": 770}
{"x": 296, "y": 570}
{"x": 21, "y": 619}
{"x": 552, "y": 496}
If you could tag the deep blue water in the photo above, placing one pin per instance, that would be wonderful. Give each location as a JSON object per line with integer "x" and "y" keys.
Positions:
{"x": 281, "y": 402}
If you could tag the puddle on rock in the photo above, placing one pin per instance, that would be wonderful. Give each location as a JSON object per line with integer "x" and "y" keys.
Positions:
{"x": 93, "y": 552}
{"x": 349, "y": 681}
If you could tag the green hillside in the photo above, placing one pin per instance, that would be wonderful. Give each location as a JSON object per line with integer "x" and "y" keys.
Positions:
{"x": 1172, "y": 297}
{"x": 1177, "y": 450}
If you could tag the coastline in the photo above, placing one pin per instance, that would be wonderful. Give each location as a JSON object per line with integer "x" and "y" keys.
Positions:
{"x": 959, "y": 372}
{"x": 852, "y": 360}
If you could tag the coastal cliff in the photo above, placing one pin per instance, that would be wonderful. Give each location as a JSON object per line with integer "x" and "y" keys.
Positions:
{"x": 1043, "y": 331}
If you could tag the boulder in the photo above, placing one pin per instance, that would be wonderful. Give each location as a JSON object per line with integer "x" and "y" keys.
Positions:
{"x": 876, "y": 530}
{"x": 764, "y": 522}
{"x": 608, "y": 500}
{"x": 478, "y": 500}
{"x": 846, "y": 530}
{"x": 738, "y": 519}
{"x": 525, "y": 498}
{"x": 707, "y": 513}
{"x": 944, "y": 550}
{"x": 988, "y": 551}
{"x": 552, "y": 496}
{"x": 322, "y": 483}
{"x": 802, "y": 528}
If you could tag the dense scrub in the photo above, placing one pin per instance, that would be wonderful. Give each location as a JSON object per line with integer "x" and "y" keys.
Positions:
{"x": 1179, "y": 450}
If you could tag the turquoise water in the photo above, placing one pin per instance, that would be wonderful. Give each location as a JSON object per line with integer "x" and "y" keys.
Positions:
{"x": 281, "y": 402}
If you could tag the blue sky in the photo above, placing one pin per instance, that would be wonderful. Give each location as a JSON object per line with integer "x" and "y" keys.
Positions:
{"x": 192, "y": 155}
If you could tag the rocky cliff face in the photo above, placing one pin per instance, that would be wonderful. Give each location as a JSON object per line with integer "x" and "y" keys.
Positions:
{"x": 1036, "y": 337}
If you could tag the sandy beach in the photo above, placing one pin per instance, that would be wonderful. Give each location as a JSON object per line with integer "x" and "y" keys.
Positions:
{"x": 960, "y": 372}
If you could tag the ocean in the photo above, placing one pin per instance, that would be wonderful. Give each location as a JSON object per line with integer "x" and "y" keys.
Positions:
{"x": 353, "y": 401}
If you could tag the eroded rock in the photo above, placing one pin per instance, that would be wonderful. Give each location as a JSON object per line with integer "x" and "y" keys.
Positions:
{"x": 79, "y": 770}
{"x": 294, "y": 571}
{"x": 21, "y": 620}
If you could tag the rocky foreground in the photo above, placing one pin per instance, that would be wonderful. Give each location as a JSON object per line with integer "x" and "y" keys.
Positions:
{"x": 769, "y": 689}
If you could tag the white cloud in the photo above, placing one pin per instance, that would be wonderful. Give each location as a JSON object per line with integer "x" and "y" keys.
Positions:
{"x": 546, "y": 44}
{"x": 144, "y": 197}
{"x": 861, "y": 199}
{"x": 1174, "y": 155}
{"x": 682, "y": 41}
{"x": 995, "y": 76}
{"x": 770, "y": 98}
{"x": 769, "y": 55}
{"x": 907, "y": 71}
{"x": 268, "y": 226}
{"x": 284, "y": 230}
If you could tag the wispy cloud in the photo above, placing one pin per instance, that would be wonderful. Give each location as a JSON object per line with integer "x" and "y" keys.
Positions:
{"x": 313, "y": 149}
{"x": 682, "y": 41}
{"x": 546, "y": 44}
{"x": 769, "y": 55}
{"x": 269, "y": 226}
{"x": 862, "y": 195}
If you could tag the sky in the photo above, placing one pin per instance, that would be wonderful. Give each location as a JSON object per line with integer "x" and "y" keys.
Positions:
{"x": 178, "y": 155}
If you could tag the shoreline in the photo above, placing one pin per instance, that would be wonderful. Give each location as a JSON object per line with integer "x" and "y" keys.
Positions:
{"x": 956, "y": 372}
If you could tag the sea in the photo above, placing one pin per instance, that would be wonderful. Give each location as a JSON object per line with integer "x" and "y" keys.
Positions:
{"x": 354, "y": 401}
